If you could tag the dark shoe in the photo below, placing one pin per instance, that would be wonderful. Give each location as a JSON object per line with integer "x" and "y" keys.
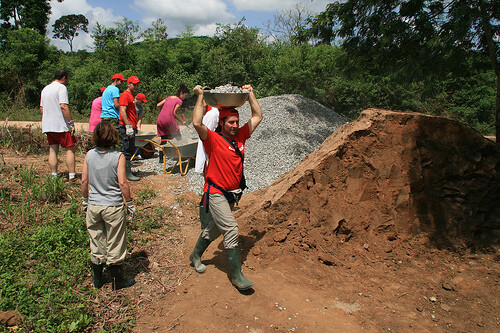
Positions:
{"x": 97, "y": 275}
{"x": 237, "y": 278}
{"x": 128, "y": 170}
{"x": 117, "y": 279}
{"x": 195, "y": 256}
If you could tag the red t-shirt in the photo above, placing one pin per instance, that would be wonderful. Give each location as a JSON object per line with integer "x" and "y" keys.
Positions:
{"x": 224, "y": 164}
{"x": 127, "y": 99}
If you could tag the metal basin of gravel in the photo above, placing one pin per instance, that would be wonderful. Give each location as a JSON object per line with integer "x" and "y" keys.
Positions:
{"x": 225, "y": 100}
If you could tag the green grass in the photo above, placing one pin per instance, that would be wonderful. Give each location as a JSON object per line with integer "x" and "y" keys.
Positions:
{"x": 45, "y": 253}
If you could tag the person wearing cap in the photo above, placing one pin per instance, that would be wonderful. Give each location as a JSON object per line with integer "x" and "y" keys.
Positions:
{"x": 224, "y": 180}
{"x": 140, "y": 99}
{"x": 166, "y": 123}
{"x": 128, "y": 123}
{"x": 57, "y": 122}
{"x": 111, "y": 106}
{"x": 95, "y": 111}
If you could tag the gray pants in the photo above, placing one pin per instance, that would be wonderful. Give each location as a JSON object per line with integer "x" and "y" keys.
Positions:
{"x": 107, "y": 229}
{"x": 222, "y": 222}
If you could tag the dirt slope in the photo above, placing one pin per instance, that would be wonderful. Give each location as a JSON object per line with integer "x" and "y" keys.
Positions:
{"x": 391, "y": 225}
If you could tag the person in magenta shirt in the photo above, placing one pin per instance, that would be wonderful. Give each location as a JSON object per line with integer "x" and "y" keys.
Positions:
{"x": 166, "y": 124}
{"x": 95, "y": 113}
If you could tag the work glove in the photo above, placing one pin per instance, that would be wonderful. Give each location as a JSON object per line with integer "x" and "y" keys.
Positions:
{"x": 129, "y": 130}
{"x": 71, "y": 126}
{"x": 85, "y": 204}
{"x": 130, "y": 209}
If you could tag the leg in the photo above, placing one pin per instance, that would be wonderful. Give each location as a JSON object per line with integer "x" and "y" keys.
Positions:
{"x": 53, "y": 150}
{"x": 195, "y": 256}
{"x": 226, "y": 223}
{"x": 97, "y": 235}
{"x": 117, "y": 245}
{"x": 70, "y": 159}
{"x": 128, "y": 150}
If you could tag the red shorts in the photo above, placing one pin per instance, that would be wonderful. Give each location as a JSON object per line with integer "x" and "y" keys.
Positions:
{"x": 65, "y": 139}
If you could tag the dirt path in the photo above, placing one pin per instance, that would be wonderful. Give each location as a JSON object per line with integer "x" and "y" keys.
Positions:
{"x": 146, "y": 128}
{"x": 425, "y": 292}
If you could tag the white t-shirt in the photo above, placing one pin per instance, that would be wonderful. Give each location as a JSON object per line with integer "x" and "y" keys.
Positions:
{"x": 53, "y": 119}
{"x": 211, "y": 120}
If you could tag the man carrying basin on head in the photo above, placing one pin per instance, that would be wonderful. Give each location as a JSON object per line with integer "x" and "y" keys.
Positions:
{"x": 225, "y": 149}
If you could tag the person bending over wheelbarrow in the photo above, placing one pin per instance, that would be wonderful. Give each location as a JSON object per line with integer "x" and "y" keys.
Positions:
{"x": 224, "y": 180}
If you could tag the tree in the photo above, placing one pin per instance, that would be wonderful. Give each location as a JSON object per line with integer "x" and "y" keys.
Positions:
{"x": 290, "y": 24}
{"x": 128, "y": 30}
{"x": 21, "y": 58}
{"x": 157, "y": 32}
{"x": 33, "y": 14}
{"x": 67, "y": 27}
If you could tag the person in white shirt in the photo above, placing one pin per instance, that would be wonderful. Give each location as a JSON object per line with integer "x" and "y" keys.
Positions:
{"x": 211, "y": 120}
{"x": 57, "y": 122}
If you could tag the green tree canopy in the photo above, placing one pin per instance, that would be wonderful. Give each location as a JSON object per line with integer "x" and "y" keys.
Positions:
{"x": 67, "y": 27}
{"x": 33, "y": 14}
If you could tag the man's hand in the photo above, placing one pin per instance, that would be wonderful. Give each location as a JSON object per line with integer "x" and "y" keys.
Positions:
{"x": 85, "y": 204}
{"x": 71, "y": 126}
{"x": 131, "y": 209}
{"x": 247, "y": 87}
{"x": 129, "y": 130}
{"x": 198, "y": 90}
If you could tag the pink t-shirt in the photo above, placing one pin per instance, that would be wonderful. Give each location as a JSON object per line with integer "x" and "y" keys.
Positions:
{"x": 166, "y": 123}
{"x": 95, "y": 113}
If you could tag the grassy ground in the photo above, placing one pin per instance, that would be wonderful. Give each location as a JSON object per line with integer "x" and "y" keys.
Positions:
{"x": 45, "y": 264}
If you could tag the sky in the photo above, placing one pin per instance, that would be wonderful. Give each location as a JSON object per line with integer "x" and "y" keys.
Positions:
{"x": 202, "y": 15}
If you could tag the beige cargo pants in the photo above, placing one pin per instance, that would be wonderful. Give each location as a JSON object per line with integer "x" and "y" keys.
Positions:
{"x": 108, "y": 237}
{"x": 222, "y": 222}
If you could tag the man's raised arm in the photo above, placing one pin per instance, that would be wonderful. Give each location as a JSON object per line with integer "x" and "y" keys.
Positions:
{"x": 198, "y": 114}
{"x": 255, "y": 107}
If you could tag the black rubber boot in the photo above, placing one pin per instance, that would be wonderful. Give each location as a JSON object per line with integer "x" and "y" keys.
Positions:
{"x": 195, "y": 256}
{"x": 97, "y": 275}
{"x": 117, "y": 280}
{"x": 237, "y": 278}
{"x": 128, "y": 170}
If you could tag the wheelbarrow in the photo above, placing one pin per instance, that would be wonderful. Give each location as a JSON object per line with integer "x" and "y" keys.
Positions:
{"x": 143, "y": 145}
{"x": 183, "y": 150}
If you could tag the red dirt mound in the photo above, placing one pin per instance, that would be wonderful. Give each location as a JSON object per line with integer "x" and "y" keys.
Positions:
{"x": 383, "y": 181}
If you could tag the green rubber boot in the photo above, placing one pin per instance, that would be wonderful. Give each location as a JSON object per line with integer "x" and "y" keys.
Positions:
{"x": 118, "y": 281}
{"x": 195, "y": 256}
{"x": 237, "y": 278}
{"x": 97, "y": 275}
{"x": 130, "y": 175}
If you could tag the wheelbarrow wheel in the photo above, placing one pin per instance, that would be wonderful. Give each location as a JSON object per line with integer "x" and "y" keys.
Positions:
{"x": 147, "y": 151}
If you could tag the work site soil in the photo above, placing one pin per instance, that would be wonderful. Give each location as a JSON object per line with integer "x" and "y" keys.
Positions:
{"x": 392, "y": 225}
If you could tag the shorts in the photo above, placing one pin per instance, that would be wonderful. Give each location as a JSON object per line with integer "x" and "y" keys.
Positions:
{"x": 64, "y": 139}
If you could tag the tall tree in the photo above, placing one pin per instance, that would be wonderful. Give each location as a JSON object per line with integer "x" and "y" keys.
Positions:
{"x": 290, "y": 24}
{"x": 128, "y": 30}
{"x": 33, "y": 14}
{"x": 66, "y": 27}
{"x": 158, "y": 31}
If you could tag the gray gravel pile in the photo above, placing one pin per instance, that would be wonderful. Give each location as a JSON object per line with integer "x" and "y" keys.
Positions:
{"x": 293, "y": 127}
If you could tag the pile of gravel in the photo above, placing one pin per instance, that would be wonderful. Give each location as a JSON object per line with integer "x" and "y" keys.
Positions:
{"x": 293, "y": 127}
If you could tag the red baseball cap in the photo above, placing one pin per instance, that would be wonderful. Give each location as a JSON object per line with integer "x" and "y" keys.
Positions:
{"x": 142, "y": 97}
{"x": 102, "y": 89}
{"x": 133, "y": 79}
{"x": 224, "y": 112}
{"x": 119, "y": 77}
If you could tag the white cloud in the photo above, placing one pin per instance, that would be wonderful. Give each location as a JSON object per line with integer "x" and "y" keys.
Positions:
{"x": 177, "y": 14}
{"x": 277, "y": 5}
